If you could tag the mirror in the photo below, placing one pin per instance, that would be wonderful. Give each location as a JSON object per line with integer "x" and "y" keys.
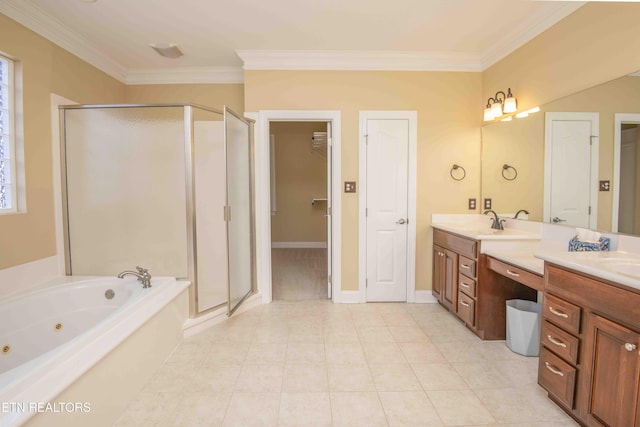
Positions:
{"x": 520, "y": 144}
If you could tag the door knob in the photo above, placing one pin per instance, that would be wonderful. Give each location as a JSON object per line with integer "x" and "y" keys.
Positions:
{"x": 556, "y": 219}
{"x": 401, "y": 221}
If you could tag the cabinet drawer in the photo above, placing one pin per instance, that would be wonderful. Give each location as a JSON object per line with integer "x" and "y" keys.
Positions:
{"x": 456, "y": 243}
{"x": 466, "y": 308}
{"x": 562, "y": 313}
{"x": 560, "y": 342}
{"x": 557, "y": 377}
{"x": 518, "y": 274}
{"x": 466, "y": 285}
{"x": 467, "y": 266}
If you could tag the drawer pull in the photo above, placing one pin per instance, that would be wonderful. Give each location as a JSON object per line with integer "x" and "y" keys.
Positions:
{"x": 466, "y": 304}
{"x": 629, "y": 347}
{"x": 556, "y": 342}
{"x": 553, "y": 369}
{"x": 511, "y": 273}
{"x": 558, "y": 313}
{"x": 464, "y": 285}
{"x": 465, "y": 266}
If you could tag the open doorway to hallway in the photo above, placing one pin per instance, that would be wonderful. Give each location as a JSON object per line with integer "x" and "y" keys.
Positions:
{"x": 300, "y": 208}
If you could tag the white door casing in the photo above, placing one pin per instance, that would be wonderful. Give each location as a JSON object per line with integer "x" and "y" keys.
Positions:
{"x": 571, "y": 169}
{"x": 387, "y": 205}
{"x": 619, "y": 119}
{"x": 328, "y": 215}
{"x": 263, "y": 187}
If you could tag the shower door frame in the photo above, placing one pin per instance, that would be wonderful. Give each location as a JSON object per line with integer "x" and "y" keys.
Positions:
{"x": 190, "y": 196}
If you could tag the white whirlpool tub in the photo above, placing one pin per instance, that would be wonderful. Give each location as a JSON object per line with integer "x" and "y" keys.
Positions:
{"x": 76, "y": 351}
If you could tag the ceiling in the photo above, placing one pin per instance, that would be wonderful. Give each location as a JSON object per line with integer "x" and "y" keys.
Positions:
{"x": 219, "y": 37}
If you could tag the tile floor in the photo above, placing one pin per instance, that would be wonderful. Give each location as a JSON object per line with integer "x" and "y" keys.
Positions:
{"x": 315, "y": 363}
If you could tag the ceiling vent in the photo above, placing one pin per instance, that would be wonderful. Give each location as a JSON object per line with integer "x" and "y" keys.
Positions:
{"x": 168, "y": 50}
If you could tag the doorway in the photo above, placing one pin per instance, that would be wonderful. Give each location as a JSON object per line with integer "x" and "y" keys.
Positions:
{"x": 626, "y": 174}
{"x": 300, "y": 154}
{"x": 571, "y": 169}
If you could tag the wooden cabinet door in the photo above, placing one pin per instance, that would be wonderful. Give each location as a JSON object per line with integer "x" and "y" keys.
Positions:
{"x": 612, "y": 368}
{"x": 438, "y": 272}
{"x": 450, "y": 288}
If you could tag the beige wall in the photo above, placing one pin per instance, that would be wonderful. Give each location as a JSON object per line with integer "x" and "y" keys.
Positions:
{"x": 301, "y": 175}
{"x": 209, "y": 95}
{"x": 448, "y": 132}
{"x": 595, "y": 44}
{"x": 46, "y": 69}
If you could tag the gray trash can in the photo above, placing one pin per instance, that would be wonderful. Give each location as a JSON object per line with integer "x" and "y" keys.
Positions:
{"x": 523, "y": 327}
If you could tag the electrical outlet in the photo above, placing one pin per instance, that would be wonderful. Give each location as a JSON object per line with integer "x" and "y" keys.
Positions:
{"x": 487, "y": 203}
{"x": 472, "y": 204}
{"x": 349, "y": 186}
{"x": 605, "y": 185}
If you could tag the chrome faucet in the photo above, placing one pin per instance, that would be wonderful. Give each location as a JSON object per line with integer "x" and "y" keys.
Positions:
{"x": 142, "y": 274}
{"x": 524, "y": 211}
{"x": 496, "y": 222}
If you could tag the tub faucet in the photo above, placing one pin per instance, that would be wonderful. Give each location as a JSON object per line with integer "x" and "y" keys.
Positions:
{"x": 524, "y": 211}
{"x": 496, "y": 222}
{"x": 142, "y": 274}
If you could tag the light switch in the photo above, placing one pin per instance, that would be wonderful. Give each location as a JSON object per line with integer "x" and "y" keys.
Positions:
{"x": 349, "y": 186}
{"x": 605, "y": 185}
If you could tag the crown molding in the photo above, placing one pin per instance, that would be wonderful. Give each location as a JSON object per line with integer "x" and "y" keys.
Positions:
{"x": 535, "y": 25}
{"x": 186, "y": 75}
{"x": 32, "y": 17}
{"x": 358, "y": 60}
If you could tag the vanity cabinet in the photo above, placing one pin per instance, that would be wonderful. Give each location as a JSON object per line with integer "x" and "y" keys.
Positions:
{"x": 463, "y": 283}
{"x": 445, "y": 278}
{"x": 589, "y": 360}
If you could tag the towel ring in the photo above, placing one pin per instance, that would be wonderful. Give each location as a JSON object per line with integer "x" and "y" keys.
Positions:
{"x": 506, "y": 167}
{"x": 456, "y": 167}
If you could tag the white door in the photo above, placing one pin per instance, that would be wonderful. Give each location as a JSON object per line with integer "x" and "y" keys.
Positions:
{"x": 387, "y": 156}
{"x": 570, "y": 170}
{"x": 328, "y": 214}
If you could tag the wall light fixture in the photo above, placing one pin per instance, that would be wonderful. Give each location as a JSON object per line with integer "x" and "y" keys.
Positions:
{"x": 500, "y": 104}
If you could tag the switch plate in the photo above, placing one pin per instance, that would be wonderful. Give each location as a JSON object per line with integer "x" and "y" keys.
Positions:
{"x": 472, "y": 204}
{"x": 349, "y": 186}
{"x": 605, "y": 185}
{"x": 487, "y": 203}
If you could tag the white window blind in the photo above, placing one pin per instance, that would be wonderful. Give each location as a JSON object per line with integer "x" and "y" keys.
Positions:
{"x": 7, "y": 138}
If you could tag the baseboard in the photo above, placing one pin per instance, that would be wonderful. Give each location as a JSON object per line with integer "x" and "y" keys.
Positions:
{"x": 349, "y": 297}
{"x": 25, "y": 276}
{"x": 294, "y": 245}
{"x": 425, "y": 297}
{"x": 199, "y": 324}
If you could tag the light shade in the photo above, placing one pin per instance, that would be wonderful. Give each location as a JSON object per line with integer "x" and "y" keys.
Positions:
{"x": 496, "y": 109}
{"x": 510, "y": 105}
{"x": 488, "y": 115}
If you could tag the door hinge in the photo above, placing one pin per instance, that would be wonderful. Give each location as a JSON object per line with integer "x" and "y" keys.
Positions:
{"x": 591, "y": 139}
{"x": 329, "y": 211}
{"x": 366, "y": 139}
{"x": 589, "y": 210}
{"x": 329, "y": 278}
{"x": 366, "y": 283}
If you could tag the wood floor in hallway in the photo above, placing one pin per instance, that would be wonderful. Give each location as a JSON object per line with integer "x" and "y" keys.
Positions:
{"x": 299, "y": 274}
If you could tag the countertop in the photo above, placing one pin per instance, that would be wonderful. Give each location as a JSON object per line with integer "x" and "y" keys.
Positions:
{"x": 482, "y": 232}
{"x": 615, "y": 266}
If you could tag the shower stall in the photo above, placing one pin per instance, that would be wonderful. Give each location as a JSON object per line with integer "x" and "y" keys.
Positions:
{"x": 166, "y": 187}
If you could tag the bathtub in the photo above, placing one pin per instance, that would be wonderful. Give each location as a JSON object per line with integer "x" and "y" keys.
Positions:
{"x": 55, "y": 336}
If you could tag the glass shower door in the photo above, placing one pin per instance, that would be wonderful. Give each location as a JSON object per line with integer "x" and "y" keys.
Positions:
{"x": 239, "y": 207}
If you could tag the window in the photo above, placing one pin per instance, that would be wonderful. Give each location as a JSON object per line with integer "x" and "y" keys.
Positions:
{"x": 8, "y": 193}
